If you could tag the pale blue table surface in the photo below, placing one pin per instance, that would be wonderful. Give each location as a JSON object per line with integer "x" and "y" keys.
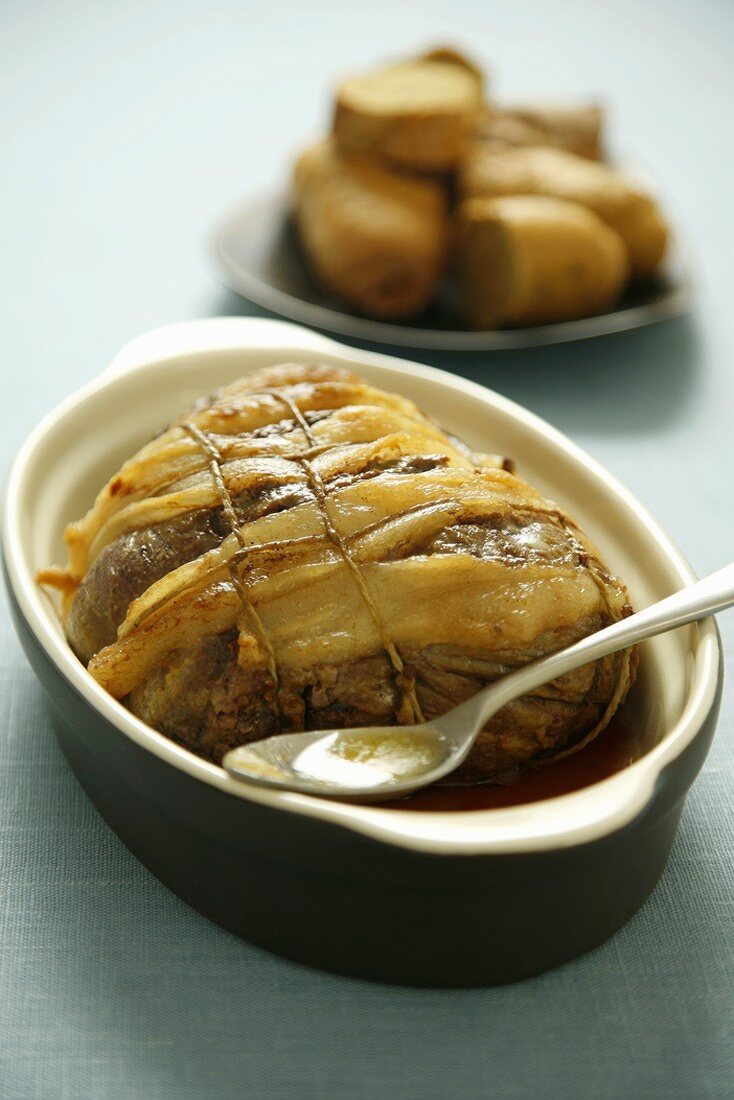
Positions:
{"x": 125, "y": 129}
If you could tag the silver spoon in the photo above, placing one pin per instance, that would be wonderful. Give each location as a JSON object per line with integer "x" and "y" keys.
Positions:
{"x": 376, "y": 763}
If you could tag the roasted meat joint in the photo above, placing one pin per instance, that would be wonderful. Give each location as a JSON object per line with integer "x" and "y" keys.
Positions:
{"x": 303, "y": 550}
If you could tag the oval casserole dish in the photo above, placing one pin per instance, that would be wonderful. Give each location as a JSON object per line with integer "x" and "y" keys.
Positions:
{"x": 447, "y": 899}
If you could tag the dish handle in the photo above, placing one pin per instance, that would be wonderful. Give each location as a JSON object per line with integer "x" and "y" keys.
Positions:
{"x": 215, "y": 334}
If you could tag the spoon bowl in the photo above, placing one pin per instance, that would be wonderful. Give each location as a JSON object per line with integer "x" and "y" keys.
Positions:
{"x": 366, "y": 763}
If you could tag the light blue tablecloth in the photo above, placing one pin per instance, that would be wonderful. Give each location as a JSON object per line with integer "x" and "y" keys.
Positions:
{"x": 126, "y": 128}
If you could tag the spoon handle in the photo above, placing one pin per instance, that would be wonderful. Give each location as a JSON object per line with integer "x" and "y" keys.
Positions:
{"x": 704, "y": 597}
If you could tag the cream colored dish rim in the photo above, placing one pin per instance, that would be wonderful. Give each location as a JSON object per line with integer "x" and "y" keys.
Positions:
{"x": 560, "y": 822}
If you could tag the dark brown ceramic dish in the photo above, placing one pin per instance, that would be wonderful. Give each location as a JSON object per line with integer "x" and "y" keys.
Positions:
{"x": 427, "y": 898}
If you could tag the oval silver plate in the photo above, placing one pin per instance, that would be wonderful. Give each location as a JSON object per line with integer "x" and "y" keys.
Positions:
{"x": 259, "y": 258}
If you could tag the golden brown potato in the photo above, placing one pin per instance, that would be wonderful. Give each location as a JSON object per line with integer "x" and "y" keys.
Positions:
{"x": 575, "y": 129}
{"x": 416, "y": 114}
{"x": 490, "y": 172}
{"x": 453, "y": 56}
{"x": 375, "y": 238}
{"x": 531, "y": 260}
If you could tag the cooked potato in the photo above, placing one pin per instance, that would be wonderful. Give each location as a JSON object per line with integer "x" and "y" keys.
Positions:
{"x": 374, "y": 237}
{"x": 489, "y": 172}
{"x": 416, "y": 114}
{"x": 530, "y": 260}
{"x": 453, "y": 56}
{"x": 575, "y": 129}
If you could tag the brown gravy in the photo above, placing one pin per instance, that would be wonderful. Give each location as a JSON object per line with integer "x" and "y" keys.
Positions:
{"x": 614, "y": 748}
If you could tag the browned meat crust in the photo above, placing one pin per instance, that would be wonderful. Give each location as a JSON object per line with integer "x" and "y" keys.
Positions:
{"x": 304, "y": 551}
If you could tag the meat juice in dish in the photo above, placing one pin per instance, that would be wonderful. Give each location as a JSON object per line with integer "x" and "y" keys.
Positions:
{"x": 617, "y": 746}
{"x": 305, "y": 551}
